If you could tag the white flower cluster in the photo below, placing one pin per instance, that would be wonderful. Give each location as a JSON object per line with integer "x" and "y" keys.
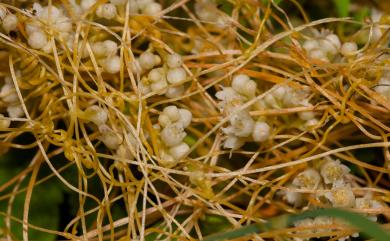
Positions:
{"x": 331, "y": 176}
{"x": 146, "y": 7}
{"x": 284, "y": 96}
{"x": 241, "y": 127}
{"x": 208, "y": 12}
{"x": 167, "y": 80}
{"x": 173, "y": 122}
{"x": 99, "y": 117}
{"x": 10, "y": 98}
{"x": 327, "y": 46}
{"x": 105, "y": 52}
{"x": 109, "y": 10}
{"x": 8, "y": 21}
{"x": 48, "y": 18}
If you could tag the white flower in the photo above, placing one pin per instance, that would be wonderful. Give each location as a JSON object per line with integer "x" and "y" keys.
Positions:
{"x": 15, "y": 111}
{"x": 367, "y": 202}
{"x": 261, "y": 131}
{"x": 157, "y": 75}
{"x": 293, "y": 198}
{"x": 230, "y": 99}
{"x": 233, "y": 142}
{"x": 349, "y": 49}
{"x": 244, "y": 85}
{"x": 310, "y": 44}
{"x": 169, "y": 115}
{"x": 185, "y": 117}
{"x": 318, "y": 54}
{"x": 284, "y": 96}
{"x": 178, "y": 152}
{"x": 112, "y": 64}
{"x": 241, "y": 124}
{"x": 341, "y": 195}
{"x": 104, "y": 49}
{"x": 173, "y": 134}
{"x": 143, "y": 3}
{"x": 166, "y": 159}
{"x": 10, "y": 22}
{"x": 174, "y": 92}
{"x": 176, "y": 75}
{"x": 174, "y": 61}
{"x": 334, "y": 40}
{"x": 207, "y": 11}
{"x": 107, "y": 11}
{"x": 37, "y": 40}
{"x": 152, "y": 9}
{"x": 110, "y": 139}
{"x": 333, "y": 171}
{"x": 124, "y": 152}
{"x": 309, "y": 179}
{"x": 148, "y": 60}
{"x": 96, "y": 115}
{"x": 159, "y": 86}
{"x": 8, "y": 93}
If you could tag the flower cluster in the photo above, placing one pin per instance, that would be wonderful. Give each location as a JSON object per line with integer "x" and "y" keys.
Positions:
{"x": 10, "y": 98}
{"x": 105, "y": 52}
{"x": 328, "y": 47}
{"x": 173, "y": 121}
{"x": 166, "y": 80}
{"x": 208, "y": 12}
{"x": 48, "y": 21}
{"x": 241, "y": 126}
{"x": 284, "y": 96}
{"x": 331, "y": 186}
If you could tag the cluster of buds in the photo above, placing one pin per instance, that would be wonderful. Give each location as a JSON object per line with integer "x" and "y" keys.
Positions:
{"x": 110, "y": 9}
{"x": 166, "y": 80}
{"x": 284, "y": 96}
{"x": 327, "y": 46}
{"x": 242, "y": 126}
{"x": 208, "y": 12}
{"x": 10, "y": 98}
{"x": 105, "y": 52}
{"x": 48, "y": 18}
{"x": 99, "y": 117}
{"x": 173, "y": 122}
{"x": 331, "y": 177}
{"x": 332, "y": 185}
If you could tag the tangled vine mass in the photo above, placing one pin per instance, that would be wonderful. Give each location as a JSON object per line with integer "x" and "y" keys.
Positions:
{"x": 174, "y": 120}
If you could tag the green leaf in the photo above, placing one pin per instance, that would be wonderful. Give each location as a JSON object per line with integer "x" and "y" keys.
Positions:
{"x": 213, "y": 224}
{"x": 365, "y": 225}
{"x": 342, "y": 7}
